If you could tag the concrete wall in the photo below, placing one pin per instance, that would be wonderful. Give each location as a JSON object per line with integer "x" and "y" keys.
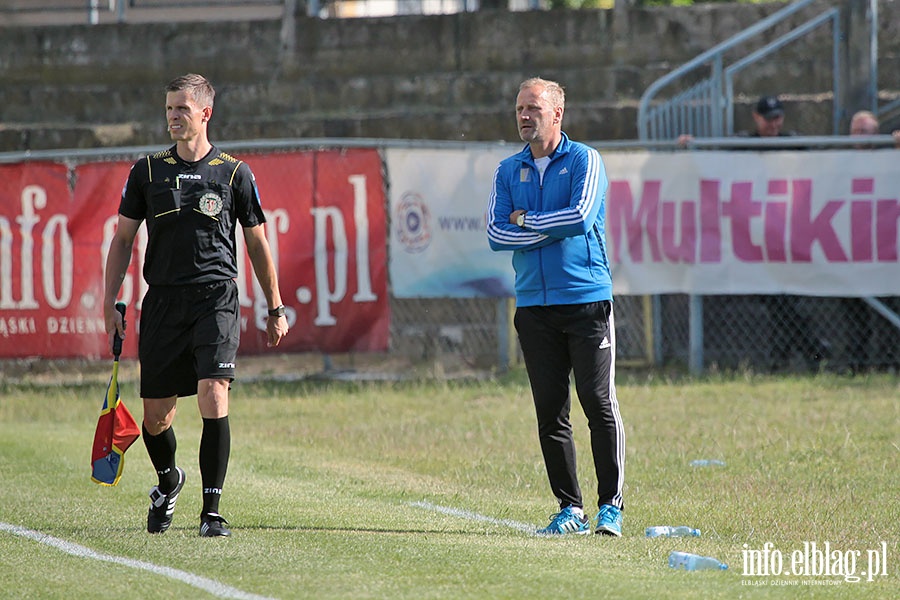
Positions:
{"x": 421, "y": 77}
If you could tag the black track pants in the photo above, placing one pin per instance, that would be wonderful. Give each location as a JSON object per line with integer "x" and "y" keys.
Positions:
{"x": 580, "y": 339}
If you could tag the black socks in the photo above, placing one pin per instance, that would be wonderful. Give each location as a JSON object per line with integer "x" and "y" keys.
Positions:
{"x": 161, "y": 449}
{"x": 215, "y": 448}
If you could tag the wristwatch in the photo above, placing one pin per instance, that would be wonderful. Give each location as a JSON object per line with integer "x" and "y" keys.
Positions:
{"x": 278, "y": 311}
{"x": 520, "y": 220}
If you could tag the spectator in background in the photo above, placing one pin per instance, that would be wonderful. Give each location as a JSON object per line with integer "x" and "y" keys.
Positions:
{"x": 857, "y": 313}
{"x": 865, "y": 122}
{"x": 791, "y": 329}
{"x": 768, "y": 118}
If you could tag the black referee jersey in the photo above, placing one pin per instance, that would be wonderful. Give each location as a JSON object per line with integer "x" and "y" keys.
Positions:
{"x": 191, "y": 209}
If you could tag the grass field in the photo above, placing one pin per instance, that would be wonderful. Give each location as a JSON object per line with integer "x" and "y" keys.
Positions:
{"x": 423, "y": 490}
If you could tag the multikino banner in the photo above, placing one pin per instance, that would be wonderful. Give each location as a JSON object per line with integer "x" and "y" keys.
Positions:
{"x": 821, "y": 223}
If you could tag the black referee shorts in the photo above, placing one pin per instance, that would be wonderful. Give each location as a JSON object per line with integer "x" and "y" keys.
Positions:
{"x": 188, "y": 333}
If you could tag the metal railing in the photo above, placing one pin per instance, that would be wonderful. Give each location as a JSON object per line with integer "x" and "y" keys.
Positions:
{"x": 811, "y": 142}
{"x": 830, "y": 16}
{"x": 706, "y": 109}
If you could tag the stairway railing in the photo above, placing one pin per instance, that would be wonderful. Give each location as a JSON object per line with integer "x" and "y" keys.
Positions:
{"x": 706, "y": 109}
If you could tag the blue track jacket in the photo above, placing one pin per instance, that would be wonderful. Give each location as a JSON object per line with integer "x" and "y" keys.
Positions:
{"x": 560, "y": 254}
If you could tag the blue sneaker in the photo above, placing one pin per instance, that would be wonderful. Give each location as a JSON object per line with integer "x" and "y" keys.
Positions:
{"x": 609, "y": 521}
{"x": 566, "y": 521}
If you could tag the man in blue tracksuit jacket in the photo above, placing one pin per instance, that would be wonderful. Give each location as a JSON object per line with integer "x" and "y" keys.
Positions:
{"x": 547, "y": 206}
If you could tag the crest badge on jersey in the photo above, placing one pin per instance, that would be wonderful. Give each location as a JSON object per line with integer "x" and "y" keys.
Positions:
{"x": 210, "y": 204}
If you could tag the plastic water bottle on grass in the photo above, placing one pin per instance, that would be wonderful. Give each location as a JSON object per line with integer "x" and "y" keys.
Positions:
{"x": 706, "y": 462}
{"x": 694, "y": 562}
{"x": 669, "y": 531}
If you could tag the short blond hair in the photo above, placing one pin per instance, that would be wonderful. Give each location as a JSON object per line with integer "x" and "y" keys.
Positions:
{"x": 555, "y": 92}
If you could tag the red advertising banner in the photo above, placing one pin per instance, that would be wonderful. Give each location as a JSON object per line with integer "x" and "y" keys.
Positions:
{"x": 42, "y": 306}
{"x": 326, "y": 227}
{"x": 327, "y": 230}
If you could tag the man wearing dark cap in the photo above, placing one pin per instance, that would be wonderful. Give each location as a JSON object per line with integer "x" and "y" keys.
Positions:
{"x": 791, "y": 329}
{"x": 768, "y": 115}
{"x": 769, "y": 119}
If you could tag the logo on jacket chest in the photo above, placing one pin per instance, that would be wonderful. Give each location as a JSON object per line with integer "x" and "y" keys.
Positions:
{"x": 210, "y": 204}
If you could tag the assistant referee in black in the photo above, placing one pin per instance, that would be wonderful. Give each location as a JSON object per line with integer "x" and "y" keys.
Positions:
{"x": 192, "y": 197}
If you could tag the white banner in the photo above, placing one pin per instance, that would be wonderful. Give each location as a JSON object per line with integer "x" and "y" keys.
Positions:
{"x": 438, "y": 244}
{"x": 741, "y": 222}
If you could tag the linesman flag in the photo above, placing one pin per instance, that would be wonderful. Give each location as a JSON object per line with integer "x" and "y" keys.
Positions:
{"x": 116, "y": 428}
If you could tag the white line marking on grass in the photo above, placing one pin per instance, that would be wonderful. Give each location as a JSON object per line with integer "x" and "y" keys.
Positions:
{"x": 465, "y": 514}
{"x": 211, "y": 586}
